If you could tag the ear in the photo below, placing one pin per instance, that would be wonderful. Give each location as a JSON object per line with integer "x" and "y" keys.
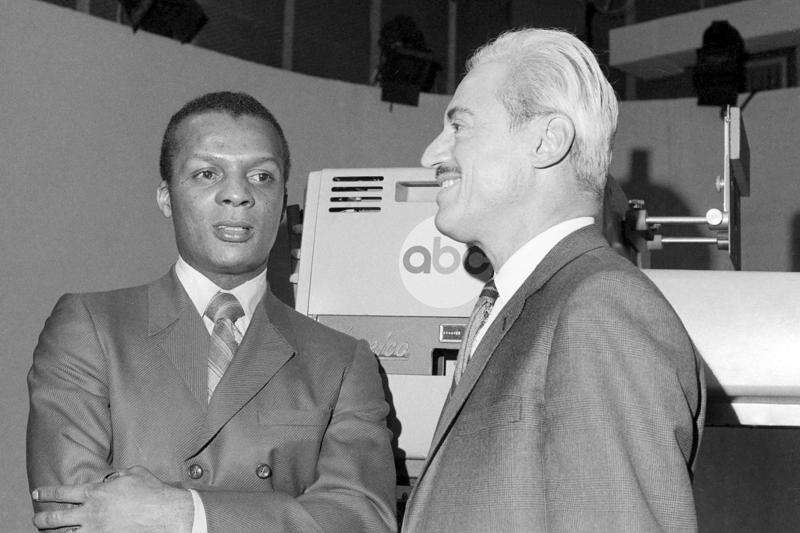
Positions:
{"x": 163, "y": 199}
{"x": 554, "y": 137}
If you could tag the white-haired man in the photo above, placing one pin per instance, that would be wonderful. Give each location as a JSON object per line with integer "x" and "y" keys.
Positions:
{"x": 578, "y": 399}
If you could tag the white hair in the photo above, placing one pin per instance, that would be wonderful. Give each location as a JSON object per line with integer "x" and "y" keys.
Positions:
{"x": 552, "y": 71}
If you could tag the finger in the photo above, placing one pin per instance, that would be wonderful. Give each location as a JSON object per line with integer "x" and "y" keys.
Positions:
{"x": 55, "y": 519}
{"x": 61, "y": 493}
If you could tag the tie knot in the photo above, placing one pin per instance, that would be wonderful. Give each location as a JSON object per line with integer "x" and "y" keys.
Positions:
{"x": 489, "y": 291}
{"x": 224, "y": 305}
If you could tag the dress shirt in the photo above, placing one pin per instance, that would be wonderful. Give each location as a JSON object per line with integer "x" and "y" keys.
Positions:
{"x": 201, "y": 290}
{"x": 513, "y": 273}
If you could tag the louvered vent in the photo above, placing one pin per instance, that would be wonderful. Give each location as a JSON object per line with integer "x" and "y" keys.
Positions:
{"x": 356, "y": 194}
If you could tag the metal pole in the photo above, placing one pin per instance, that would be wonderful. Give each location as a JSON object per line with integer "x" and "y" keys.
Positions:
{"x": 630, "y": 79}
{"x": 288, "y": 34}
{"x": 688, "y": 240}
{"x": 676, "y": 220}
{"x": 452, "y": 19}
{"x": 374, "y": 36}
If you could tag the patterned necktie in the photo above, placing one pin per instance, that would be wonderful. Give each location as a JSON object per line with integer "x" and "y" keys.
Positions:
{"x": 224, "y": 310}
{"x": 476, "y": 321}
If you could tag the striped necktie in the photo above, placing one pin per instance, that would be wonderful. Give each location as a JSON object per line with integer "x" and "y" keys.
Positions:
{"x": 481, "y": 311}
{"x": 224, "y": 310}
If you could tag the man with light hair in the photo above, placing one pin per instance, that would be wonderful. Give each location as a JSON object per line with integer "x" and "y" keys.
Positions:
{"x": 578, "y": 399}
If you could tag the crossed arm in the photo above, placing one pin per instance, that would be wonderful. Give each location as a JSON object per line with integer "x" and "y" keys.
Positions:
{"x": 70, "y": 437}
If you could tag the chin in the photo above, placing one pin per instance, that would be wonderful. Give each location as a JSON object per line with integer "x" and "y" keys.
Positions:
{"x": 450, "y": 227}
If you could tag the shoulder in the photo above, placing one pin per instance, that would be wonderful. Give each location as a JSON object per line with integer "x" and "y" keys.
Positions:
{"x": 105, "y": 302}
{"x": 96, "y": 309}
{"x": 607, "y": 277}
{"x": 609, "y": 301}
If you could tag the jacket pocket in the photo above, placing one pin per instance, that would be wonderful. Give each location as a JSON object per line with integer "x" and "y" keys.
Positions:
{"x": 501, "y": 412}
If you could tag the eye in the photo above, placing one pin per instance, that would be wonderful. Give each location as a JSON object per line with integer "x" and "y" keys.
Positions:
{"x": 455, "y": 126}
{"x": 205, "y": 175}
{"x": 261, "y": 176}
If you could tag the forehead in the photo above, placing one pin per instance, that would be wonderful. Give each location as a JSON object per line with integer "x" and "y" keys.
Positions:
{"x": 220, "y": 131}
{"x": 477, "y": 92}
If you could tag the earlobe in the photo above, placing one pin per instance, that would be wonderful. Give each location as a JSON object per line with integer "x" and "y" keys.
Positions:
{"x": 556, "y": 135}
{"x": 163, "y": 199}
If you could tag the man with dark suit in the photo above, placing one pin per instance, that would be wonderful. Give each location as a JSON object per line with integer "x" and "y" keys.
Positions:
{"x": 578, "y": 398}
{"x": 203, "y": 380}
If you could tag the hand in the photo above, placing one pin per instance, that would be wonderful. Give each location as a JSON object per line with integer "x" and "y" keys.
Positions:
{"x": 135, "y": 500}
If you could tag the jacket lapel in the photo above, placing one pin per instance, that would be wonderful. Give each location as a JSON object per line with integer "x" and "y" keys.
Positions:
{"x": 185, "y": 343}
{"x": 179, "y": 334}
{"x": 265, "y": 348}
{"x": 572, "y": 246}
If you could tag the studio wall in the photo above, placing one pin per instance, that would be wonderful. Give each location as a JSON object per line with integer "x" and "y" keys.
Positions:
{"x": 84, "y": 103}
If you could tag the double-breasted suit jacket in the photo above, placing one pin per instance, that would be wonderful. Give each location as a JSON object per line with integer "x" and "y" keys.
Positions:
{"x": 580, "y": 410}
{"x": 293, "y": 439}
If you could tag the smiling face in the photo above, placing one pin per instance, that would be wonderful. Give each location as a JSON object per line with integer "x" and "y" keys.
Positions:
{"x": 225, "y": 195}
{"x": 482, "y": 166}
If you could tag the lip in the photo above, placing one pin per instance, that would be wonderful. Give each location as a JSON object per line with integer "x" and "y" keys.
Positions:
{"x": 446, "y": 174}
{"x": 231, "y": 231}
{"x": 446, "y": 180}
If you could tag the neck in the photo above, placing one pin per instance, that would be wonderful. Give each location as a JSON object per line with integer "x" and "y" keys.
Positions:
{"x": 228, "y": 281}
{"x": 518, "y": 229}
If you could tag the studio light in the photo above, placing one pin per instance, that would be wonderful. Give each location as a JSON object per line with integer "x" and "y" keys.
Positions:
{"x": 176, "y": 19}
{"x": 719, "y": 75}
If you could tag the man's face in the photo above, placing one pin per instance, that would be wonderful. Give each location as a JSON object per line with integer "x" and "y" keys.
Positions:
{"x": 225, "y": 196}
{"x": 481, "y": 165}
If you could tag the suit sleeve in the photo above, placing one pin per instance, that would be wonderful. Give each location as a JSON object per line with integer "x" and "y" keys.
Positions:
{"x": 354, "y": 488}
{"x": 622, "y": 398}
{"x": 69, "y": 427}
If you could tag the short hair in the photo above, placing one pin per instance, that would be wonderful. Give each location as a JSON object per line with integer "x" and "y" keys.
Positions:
{"x": 553, "y": 71}
{"x": 235, "y": 105}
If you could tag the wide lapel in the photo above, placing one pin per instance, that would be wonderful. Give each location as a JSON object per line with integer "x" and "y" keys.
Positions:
{"x": 572, "y": 246}
{"x": 180, "y": 335}
{"x": 186, "y": 342}
{"x": 265, "y": 348}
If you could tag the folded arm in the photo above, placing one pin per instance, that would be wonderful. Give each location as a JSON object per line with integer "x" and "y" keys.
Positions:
{"x": 69, "y": 423}
{"x": 354, "y": 487}
{"x": 69, "y": 442}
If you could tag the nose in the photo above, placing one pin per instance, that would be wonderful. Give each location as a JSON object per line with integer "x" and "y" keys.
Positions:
{"x": 235, "y": 192}
{"x": 437, "y": 152}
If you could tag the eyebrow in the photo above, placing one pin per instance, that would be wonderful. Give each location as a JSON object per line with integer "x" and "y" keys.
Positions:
{"x": 457, "y": 109}
{"x": 208, "y": 156}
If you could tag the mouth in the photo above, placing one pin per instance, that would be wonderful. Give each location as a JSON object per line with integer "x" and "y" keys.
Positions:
{"x": 233, "y": 231}
{"x": 447, "y": 177}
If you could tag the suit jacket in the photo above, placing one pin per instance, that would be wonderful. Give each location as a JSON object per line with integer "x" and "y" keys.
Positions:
{"x": 580, "y": 410}
{"x": 293, "y": 439}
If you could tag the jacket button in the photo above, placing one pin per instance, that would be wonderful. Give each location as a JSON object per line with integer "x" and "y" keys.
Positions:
{"x": 263, "y": 471}
{"x": 195, "y": 471}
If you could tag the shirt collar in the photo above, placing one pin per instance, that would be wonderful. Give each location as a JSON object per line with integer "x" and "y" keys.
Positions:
{"x": 510, "y": 277}
{"x": 201, "y": 289}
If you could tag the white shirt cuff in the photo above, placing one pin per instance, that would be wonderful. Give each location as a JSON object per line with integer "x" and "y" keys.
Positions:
{"x": 199, "y": 524}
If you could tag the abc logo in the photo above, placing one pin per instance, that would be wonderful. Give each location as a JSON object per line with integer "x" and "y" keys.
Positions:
{"x": 443, "y": 259}
{"x": 441, "y": 272}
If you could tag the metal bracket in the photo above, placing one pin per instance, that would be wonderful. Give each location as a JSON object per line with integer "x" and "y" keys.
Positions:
{"x": 723, "y": 223}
